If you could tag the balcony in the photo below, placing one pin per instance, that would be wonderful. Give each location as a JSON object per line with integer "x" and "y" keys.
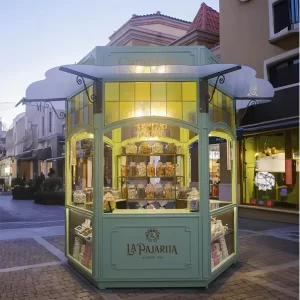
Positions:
{"x": 284, "y": 19}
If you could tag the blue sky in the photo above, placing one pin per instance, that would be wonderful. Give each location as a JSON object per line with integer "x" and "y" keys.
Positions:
{"x": 36, "y": 35}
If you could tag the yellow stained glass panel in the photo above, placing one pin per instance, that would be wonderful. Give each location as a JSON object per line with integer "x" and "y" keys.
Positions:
{"x": 77, "y": 117}
{"x": 126, "y": 110}
{"x": 174, "y": 110}
{"x": 174, "y": 91}
{"x": 215, "y": 113}
{"x": 112, "y": 112}
{"x": 127, "y": 91}
{"x": 142, "y": 91}
{"x": 189, "y": 91}
{"x": 81, "y": 116}
{"x": 77, "y": 102}
{"x": 220, "y": 115}
{"x": 158, "y": 109}
{"x": 69, "y": 124}
{"x": 189, "y": 112}
{"x": 229, "y": 104}
{"x": 232, "y": 121}
{"x": 142, "y": 109}
{"x": 220, "y": 99}
{"x": 112, "y": 91}
{"x": 91, "y": 115}
{"x": 158, "y": 91}
{"x": 215, "y": 97}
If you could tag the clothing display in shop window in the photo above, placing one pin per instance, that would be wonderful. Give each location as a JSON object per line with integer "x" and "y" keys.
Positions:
{"x": 264, "y": 181}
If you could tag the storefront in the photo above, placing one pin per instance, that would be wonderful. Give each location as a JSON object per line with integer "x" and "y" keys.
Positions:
{"x": 270, "y": 155}
{"x": 139, "y": 211}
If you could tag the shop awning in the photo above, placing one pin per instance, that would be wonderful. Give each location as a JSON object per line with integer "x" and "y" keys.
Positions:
{"x": 60, "y": 82}
{"x": 43, "y": 154}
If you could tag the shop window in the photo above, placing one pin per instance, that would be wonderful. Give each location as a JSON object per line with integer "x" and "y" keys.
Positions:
{"x": 149, "y": 169}
{"x": 285, "y": 72}
{"x": 80, "y": 239}
{"x": 222, "y": 238}
{"x": 271, "y": 173}
{"x": 82, "y": 172}
{"x": 220, "y": 171}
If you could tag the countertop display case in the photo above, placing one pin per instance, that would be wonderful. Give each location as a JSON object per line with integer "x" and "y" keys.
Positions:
{"x": 139, "y": 211}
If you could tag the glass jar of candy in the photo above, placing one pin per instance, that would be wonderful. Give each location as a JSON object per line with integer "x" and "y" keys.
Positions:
{"x": 141, "y": 194}
{"x": 145, "y": 148}
{"x": 150, "y": 170}
{"x": 132, "y": 169}
{"x": 124, "y": 191}
{"x": 124, "y": 171}
{"x": 160, "y": 169}
{"x": 158, "y": 191}
{"x": 168, "y": 191}
{"x": 141, "y": 169}
{"x": 131, "y": 148}
{"x": 149, "y": 192}
{"x": 170, "y": 169}
{"x": 131, "y": 192}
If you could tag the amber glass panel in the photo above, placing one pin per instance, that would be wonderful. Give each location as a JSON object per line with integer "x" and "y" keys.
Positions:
{"x": 220, "y": 99}
{"x": 126, "y": 110}
{"x": 158, "y": 109}
{"x": 158, "y": 91}
{"x": 211, "y": 112}
{"x": 77, "y": 102}
{"x": 127, "y": 91}
{"x": 215, "y": 114}
{"x": 69, "y": 125}
{"x": 174, "y": 91}
{"x": 189, "y": 112}
{"x": 77, "y": 117}
{"x": 142, "y": 109}
{"x": 232, "y": 121}
{"x": 91, "y": 117}
{"x": 70, "y": 106}
{"x": 215, "y": 97}
{"x": 229, "y": 104}
{"x": 81, "y": 116}
{"x": 220, "y": 114}
{"x": 112, "y": 111}
{"x": 85, "y": 99}
{"x": 142, "y": 91}
{"x": 189, "y": 91}
{"x": 112, "y": 91}
{"x": 174, "y": 110}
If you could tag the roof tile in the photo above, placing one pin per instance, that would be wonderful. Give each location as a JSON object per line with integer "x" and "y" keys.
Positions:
{"x": 207, "y": 19}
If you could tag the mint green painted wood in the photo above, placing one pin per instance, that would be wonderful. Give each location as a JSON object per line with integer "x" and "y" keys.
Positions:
{"x": 116, "y": 262}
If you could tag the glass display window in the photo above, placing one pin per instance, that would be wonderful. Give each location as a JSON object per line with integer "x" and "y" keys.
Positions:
{"x": 222, "y": 238}
{"x": 271, "y": 170}
{"x": 82, "y": 171}
{"x": 79, "y": 243}
{"x": 220, "y": 170}
{"x": 148, "y": 169}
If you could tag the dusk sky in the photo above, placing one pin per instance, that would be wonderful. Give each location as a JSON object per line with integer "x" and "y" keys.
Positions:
{"x": 37, "y": 35}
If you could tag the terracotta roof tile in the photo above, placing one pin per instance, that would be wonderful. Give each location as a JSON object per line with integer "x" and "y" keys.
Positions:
{"x": 207, "y": 19}
{"x": 157, "y": 14}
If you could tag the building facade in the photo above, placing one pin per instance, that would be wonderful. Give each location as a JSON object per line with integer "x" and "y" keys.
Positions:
{"x": 267, "y": 39}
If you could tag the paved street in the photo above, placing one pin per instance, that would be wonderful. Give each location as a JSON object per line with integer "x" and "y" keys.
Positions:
{"x": 33, "y": 265}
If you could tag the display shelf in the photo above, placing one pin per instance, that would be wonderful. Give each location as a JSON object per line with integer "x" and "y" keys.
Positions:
{"x": 151, "y": 211}
{"x": 88, "y": 213}
{"x": 82, "y": 237}
{"x": 152, "y": 154}
{"x": 146, "y": 177}
{"x": 151, "y": 200}
{"x": 223, "y": 235}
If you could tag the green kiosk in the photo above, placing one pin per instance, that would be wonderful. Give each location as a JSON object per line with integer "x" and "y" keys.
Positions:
{"x": 149, "y": 202}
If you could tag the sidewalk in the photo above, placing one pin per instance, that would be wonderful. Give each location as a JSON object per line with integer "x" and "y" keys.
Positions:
{"x": 33, "y": 266}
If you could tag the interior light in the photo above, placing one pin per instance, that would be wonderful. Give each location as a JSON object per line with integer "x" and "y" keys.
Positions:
{"x": 139, "y": 113}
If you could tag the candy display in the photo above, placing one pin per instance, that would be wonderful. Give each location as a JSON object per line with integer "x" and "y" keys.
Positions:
{"x": 89, "y": 194}
{"x": 150, "y": 170}
{"x": 144, "y": 148}
{"x": 183, "y": 192}
{"x": 132, "y": 169}
{"x": 124, "y": 192}
{"x": 160, "y": 169}
{"x": 168, "y": 191}
{"x": 141, "y": 194}
{"x": 170, "y": 148}
{"x": 79, "y": 197}
{"x": 170, "y": 169}
{"x": 141, "y": 169}
{"x": 157, "y": 148}
{"x": 179, "y": 149}
{"x": 149, "y": 192}
{"x": 109, "y": 202}
{"x": 124, "y": 171}
{"x": 193, "y": 200}
{"x": 177, "y": 170}
{"x": 131, "y": 191}
{"x": 217, "y": 229}
{"x": 131, "y": 149}
{"x": 158, "y": 191}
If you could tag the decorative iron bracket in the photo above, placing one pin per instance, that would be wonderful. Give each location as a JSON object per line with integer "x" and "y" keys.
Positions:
{"x": 252, "y": 102}
{"x": 61, "y": 115}
{"x": 80, "y": 80}
{"x": 221, "y": 80}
